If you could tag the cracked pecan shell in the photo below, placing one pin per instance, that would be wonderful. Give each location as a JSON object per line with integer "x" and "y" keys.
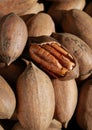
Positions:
{"x": 52, "y": 58}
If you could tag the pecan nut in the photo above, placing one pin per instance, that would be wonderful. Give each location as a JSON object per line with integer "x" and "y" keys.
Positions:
{"x": 52, "y": 58}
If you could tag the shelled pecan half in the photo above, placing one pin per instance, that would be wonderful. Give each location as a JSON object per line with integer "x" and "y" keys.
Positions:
{"x": 52, "y": 58}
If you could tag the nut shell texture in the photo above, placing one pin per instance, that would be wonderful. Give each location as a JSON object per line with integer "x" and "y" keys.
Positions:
{"x": 36, "y": 101}
{"x": 7, "y": 100}
{"x": 13, "y": 37}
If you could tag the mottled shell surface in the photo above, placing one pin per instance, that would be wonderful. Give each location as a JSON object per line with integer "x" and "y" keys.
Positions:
{"x": 36, "y": 100}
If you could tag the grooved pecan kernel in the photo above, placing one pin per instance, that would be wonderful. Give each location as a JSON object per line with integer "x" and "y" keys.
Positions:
{"x": 52, "y": 57}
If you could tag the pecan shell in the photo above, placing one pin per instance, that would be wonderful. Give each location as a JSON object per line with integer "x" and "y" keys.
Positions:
{"x": 52, "y": 58}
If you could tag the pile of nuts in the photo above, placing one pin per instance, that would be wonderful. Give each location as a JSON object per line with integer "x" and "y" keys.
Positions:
{"x": 45, "y": 65}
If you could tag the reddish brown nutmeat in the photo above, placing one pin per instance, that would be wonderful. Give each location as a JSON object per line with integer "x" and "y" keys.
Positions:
{"x": 52, "y": 57}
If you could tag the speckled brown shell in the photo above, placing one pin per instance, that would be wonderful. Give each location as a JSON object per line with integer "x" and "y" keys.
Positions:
{"x": 13, "y": 37}
{"x": 84, "y": 107}
{"x": 36, "y": 102}
{"x": 7, "y": 100}
{"x": 66, "y": 96}
{"x": 78, "y": 23}
{"x": 40, "y": 24}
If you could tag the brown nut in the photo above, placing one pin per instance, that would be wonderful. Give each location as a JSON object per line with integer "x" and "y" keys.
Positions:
{"x": 78, "y": 23}
{"x": 83, "y": 111}
{"x": 13, "y": 37}
{"x": 66, "y": 96}
{"x": 57, "y": 6}
{"x": 52, "y": 57}
{"x": 7, "y": 100}
{"x": 40, "y": 24}
{"x": 36, "y": 101}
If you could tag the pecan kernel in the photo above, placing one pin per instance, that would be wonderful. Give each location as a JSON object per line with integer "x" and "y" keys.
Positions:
{"x": 52, "y": 57}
